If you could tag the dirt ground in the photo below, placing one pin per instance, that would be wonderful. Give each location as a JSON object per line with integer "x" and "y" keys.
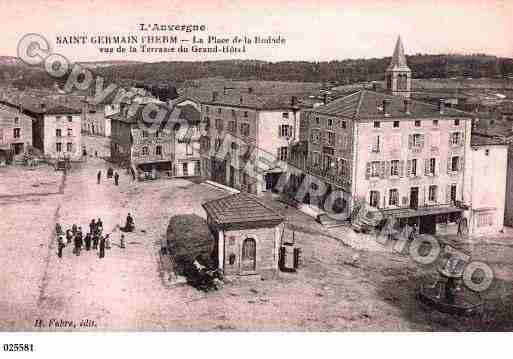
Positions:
{"x": 337, "y": 287}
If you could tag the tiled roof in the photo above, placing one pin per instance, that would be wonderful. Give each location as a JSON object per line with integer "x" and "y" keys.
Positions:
{"x": 34, "y": 105}
{"x": 366, "y": 104}
{"x": 481, "y": 139}
{"x": 240, "y": 209}
{"x": 245, "y": 100}
{"x": 138, "y": 116}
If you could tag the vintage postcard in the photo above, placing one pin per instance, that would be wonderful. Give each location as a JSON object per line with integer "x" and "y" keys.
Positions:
{"x": 234, "y": 166}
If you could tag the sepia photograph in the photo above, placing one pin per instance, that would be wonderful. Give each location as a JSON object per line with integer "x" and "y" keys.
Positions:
{"x": 224, "y": 167}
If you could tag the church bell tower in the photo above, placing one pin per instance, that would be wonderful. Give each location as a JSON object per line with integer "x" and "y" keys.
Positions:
{"x": 398, "y": 74}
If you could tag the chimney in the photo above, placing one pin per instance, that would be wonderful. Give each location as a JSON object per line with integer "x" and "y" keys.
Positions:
{"x": 250, "y": 89}
{"x": 407, "y": 106}
{"x": 386, "y": 107}
{"x": 214, "y": 96}
{"x": 441, "y": 106}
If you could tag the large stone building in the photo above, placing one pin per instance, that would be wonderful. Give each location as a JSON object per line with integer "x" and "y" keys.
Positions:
{"x": 412, "y": 160}
{"x": 240, "y": 128}
{"x": 15, "y": 133}
{"x": 56, "y": 129}
{"x": 141, "y": 144}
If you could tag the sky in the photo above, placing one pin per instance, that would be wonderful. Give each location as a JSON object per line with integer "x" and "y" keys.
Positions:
{"x": 314, "y": 30}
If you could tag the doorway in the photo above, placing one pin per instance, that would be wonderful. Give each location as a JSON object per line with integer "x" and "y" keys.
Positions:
{"x": 414, "y": 197}
{"x": 248, "y": 258}
{"x": 17, "y": 148}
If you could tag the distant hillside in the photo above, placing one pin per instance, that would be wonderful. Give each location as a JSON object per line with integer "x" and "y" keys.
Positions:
{"x": 328, "y": 72}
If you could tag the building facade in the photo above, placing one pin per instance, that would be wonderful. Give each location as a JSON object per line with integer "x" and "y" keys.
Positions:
{"x": 247, "y": 234}
{"x": 135, "y": 144}
{"x": 240, "y": 128}
{"x": 15, "y": 133}
{"x": 409, "y": 159}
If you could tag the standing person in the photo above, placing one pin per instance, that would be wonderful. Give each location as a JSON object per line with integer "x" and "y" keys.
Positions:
{"x": 92, "y": 227}
{"x": 74, "y": 228}
{"x": 69, "y": 235}
{"x": 78, "y": 245}
{"x": 129, "y": 225}
{"x": 99, "y": 176}
{"x": 102, "y": 247}
{"x": 99, "y": 225}
{"x": 95, "y": 240}
{"x": 122, "y": 241}
{"x": 116, "y": 178}
{"x": 87, "y": 241}
{"x": 60, "y": 244}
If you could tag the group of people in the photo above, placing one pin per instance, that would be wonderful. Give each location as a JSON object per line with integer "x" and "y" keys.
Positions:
{"x": 94, "y": 239}
{"x": 110, "y": 174}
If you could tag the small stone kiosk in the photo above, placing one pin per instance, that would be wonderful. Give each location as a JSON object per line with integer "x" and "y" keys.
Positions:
{"x": 248, "y": 235}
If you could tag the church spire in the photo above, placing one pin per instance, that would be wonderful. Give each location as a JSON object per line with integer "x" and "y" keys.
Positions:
{"x": 398, "y": 58}
{"x": 398, "y": 74}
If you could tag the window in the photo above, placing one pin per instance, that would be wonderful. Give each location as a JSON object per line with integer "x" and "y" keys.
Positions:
{"x": 396, "y": 124}
{"x": 431, "y": 170}
{"x": 331, "y": 138}
{"x": 432, "y": 193}
{"x": 375, "y": 144}
{"x": 327, "y": 162}
{"x": 317, "y": 121}
{"x": 219, "y": 110}
{"x": 16, "y": 133}
{"x": 417, "y": 140}
{"x": 16, "y": 120}
{"x": 157, "y": 134}
{"x": 244, "y": 129}
{"x": 145, "y": 133}
{"x": 375, "y": 168}
{"x": 455, "y": 138}
{"x": 435, "y": 123}
{"x": 343, "y": 124}
{"x": 197, "y": 167}
{"x": 285, "y": 115}
{"x": 232, "y": 126}
{"x": 330, "y": 123}
{"x": 70, "y": 118}
{"x": 453, "y": 193}
{"x": 316, "y": 158}
{"x": 487, "y": 152}
{"x": 413, "y": 167}
{"x": 316, "y": 136}
{"x": 145, "y": 151}
{"x": 417, "y": 123}
{"x": 455, "y": 163}
{"x": 70, "y": 132}
{"x": 393, "y": 198}
{"x": 343, "y": 167}
{"x": 188, "y": 149}
{"x": 248, "y": 259}
{"x": 377, "y": 124}
{"x": 158, "y": 150}
{"x": 219, "y": 124}
{"x": 394, "y": 168}
{"x": 245, "y": 113}
{"x": 217, "y": 143}
{"x": 456, "y": 122}
{"x": 185, "y": 169}
{"x": 58, "y": 118}
{"x": 207, "y": 123}
{"x": 285, "y": 131}
{"x": 58, "y": 147}
{"x": 282, "y": 153}
{"x": 69, "y": 147}
{"x": 374, "y": 199}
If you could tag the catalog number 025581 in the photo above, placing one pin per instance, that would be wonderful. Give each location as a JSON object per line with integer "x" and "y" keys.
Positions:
{"x": 18, "y": 347}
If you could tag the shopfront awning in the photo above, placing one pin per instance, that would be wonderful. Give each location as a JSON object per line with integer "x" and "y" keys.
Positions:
{"x": 423, "y": 211}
